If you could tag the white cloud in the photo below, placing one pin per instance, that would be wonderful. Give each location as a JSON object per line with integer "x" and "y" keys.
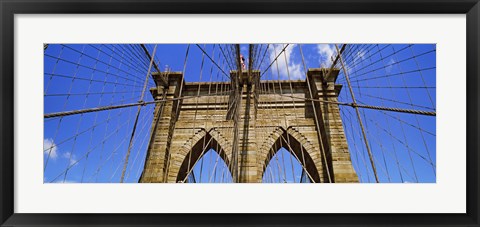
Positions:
{"x": 49, "y": 147}
{"x": 390, "y": 65}
{"x": 72, "y": 157}
{"x": 243, "y": 49}
{"x": 357, "y": 61}
{"x": 325, "y": 52}
{"x": 360, "y": 55}
{"x": 295, "y": 69}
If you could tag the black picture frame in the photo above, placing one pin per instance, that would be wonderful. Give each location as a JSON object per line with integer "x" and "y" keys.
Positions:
{"x": 9, "y": 8}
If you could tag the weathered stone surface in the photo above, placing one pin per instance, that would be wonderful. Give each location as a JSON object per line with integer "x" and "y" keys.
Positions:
{"x": 272, "y": 115}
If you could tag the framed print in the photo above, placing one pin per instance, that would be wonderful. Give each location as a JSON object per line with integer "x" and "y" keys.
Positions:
{"x": 242, "y": 113}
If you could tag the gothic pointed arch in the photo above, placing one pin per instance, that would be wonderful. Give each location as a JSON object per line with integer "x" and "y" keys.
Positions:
{"x": 194, "y": 148}
{"x": 297, "y": 145}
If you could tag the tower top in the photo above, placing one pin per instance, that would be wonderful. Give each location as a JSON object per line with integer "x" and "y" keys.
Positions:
{"x": 323, "y": 74}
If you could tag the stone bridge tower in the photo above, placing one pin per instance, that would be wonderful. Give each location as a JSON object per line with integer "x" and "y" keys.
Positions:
{"x": 185, "y": 126}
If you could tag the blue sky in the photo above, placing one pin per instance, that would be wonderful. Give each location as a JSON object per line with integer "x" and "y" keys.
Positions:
{"x": 91, "y": 147}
